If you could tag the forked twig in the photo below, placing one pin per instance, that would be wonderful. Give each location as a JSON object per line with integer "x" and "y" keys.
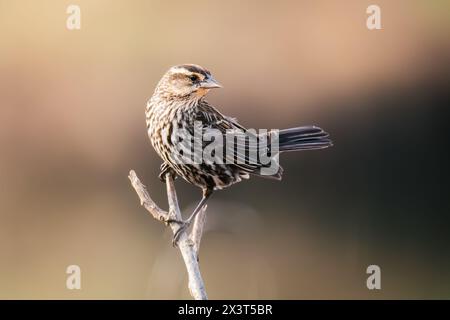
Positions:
{"x": 188, "y": 245}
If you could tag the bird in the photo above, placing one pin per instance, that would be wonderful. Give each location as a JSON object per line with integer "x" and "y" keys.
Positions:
{"x": 178, "y": 103}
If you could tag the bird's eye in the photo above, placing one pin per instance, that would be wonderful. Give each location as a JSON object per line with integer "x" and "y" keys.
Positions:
{"x": 193, "y": 77}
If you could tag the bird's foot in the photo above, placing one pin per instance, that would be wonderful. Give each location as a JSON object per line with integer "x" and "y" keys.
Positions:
{"x": 165, "y": 169}
{"x": 169, "y": 221}
{"x": 182, "y": 228}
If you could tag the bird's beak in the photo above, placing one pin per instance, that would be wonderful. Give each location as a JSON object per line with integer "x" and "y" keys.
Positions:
{"x": 210, "y": 83}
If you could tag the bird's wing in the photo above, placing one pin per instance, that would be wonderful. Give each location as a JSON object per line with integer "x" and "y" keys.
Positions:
{"x": 211, "y": 117}
{"x": 238, "y": 152}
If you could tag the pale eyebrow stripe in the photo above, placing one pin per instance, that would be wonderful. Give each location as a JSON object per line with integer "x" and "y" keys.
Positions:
{"x": 189, "y": 73}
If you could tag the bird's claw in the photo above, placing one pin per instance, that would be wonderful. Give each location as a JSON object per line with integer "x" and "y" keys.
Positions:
{"x": 165, "y": 169}
{"x": 162, "y": 176}
{"x": 169, "y": 221}
{"x": 182, "y": 228}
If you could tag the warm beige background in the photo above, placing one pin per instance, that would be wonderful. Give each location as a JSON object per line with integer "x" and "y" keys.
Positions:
{"x": 72, "y": 125}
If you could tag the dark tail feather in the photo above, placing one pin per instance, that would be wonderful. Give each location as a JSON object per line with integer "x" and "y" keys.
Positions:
{"x": 303, "y": 138}
{"x": 295, "y": 139}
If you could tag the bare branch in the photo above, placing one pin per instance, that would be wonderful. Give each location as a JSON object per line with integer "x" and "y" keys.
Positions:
{"x": 185, "y": 244}
{"x": 197, "y": 229}
{"x": 146, "y": 201}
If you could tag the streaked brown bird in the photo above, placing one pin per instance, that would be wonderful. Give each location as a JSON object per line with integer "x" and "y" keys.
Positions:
{"x": 178, "y": 103}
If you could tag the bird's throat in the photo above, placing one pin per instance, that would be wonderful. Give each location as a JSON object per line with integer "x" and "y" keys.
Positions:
{"x": 201, "y": 92}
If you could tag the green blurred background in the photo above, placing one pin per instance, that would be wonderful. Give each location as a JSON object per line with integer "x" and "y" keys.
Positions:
{"x": 72, "y": 126}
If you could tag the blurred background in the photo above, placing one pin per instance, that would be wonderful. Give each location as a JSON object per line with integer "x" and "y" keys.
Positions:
{"x": 73, "y": 125}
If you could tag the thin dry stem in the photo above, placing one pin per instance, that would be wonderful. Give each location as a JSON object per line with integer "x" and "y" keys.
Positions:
{"x": 188, "y": 246}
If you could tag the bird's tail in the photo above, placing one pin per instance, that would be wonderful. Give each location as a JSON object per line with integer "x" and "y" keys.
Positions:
{"x": 303, "y": 138}
{"x": 295, "y": 139}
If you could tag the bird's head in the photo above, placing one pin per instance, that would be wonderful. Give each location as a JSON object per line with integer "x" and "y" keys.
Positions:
{"x": 188, "y": 81}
